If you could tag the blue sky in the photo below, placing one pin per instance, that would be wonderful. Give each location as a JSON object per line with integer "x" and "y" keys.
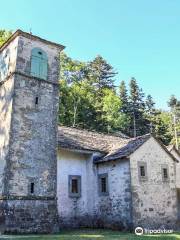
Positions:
{"x": 139, "y": 38}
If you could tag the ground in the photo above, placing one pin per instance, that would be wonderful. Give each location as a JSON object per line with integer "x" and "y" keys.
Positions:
{"x": 92, "y": 235}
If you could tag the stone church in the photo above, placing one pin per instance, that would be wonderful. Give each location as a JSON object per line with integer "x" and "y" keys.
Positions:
{"x": 51, "y": 177}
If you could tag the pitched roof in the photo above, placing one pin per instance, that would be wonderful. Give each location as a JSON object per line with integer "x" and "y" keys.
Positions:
{"x": 73, "y": 138}
{"x": 125, "y": 151}
{"x": 112, "y": 147}
{"x": 30, "y": 36}
{"x": 132, "y": 146}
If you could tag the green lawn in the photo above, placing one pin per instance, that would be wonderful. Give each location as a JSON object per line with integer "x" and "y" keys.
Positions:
{"x": 92, "y": 235}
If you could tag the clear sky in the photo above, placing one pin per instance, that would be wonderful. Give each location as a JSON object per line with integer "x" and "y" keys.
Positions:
{"x": 139, "y": 38}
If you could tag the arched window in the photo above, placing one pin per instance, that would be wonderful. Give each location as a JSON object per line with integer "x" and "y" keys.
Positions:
{"x": 39, "y": 63}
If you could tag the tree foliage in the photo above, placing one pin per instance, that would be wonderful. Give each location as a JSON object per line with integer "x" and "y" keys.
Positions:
{"x": 113, "y": 118}
{"x": 174, "y": 105}
{"x": 4, "y": 35}
{"x": 123, "y": 94}
{"x": 89, "y": 99}
{"x": 87, "y": 95}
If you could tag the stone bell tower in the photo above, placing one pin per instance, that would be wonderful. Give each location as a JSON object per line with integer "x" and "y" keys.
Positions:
{"x": 29, "y": 73}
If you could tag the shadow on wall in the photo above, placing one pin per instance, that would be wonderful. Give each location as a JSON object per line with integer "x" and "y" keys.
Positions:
{"x": 4, "y": 64}
{"x": 5, "y": 94}
{"x": 5, "y": 103}
{"x": 94, "y": 222}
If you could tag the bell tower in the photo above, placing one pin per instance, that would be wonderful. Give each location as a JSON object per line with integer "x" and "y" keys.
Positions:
{"x": 29, "y": 74}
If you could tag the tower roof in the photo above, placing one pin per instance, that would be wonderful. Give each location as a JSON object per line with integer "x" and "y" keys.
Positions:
{"x": 31, "y": 37}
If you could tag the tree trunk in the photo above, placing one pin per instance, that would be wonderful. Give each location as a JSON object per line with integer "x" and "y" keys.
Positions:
{"x": 75, "y": 112}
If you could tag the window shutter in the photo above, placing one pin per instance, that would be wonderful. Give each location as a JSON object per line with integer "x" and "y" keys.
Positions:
{"x": 39, "y": 63}
{"x": 35, "y": 66}
{"x": 43, "y": 69}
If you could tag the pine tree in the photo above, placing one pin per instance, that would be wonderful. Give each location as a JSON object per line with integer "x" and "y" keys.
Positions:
{"x": 150, "y": 111}
{"x": 123, "y": 94}
{"x": 137, "y": 108}
{"x": 101, "y": 73}
{"x": 101, "y": 77}
{"x": 163, "y": 126}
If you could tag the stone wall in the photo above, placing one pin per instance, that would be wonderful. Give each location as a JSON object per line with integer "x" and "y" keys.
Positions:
{"x": 24, "y": 56}
{"x": 114, "y": 210}
{"x": 7, "y": 67}
{"x": 8, "y": 57}
{"x": 32, "y": 152}
{"x": 154, "y": 201}
{"x": 28, "y": 216}
{"x": 176, "y": 155}
{"x": 6, "y": 100}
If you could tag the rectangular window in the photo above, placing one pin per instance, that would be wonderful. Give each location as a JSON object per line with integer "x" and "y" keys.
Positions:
{"x": 165, "y": 174}
{"x": 36, "y": 100}
{"x": 142, "y": 171}
{"x": 74, "y": 186}
{"x": 32, "y": 188}
{"x": 103, "y": 184}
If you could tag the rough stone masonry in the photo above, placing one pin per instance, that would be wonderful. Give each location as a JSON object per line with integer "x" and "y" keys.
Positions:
{"x": 29, "y": 69}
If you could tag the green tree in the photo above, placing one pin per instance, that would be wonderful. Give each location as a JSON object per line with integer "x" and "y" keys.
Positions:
{"x": 150, "y": 111}
{"x": 88, "y": 100}
{"x": 113, "y": 118}
{"x": 137, "y": 109}
{"x": 174, "y": 105}
{"x": 123, "y": 94}
{"x": 72, "y": 82}
{"x": 4, "y": 35}
{"x": 163, "y": 126}
{"x": 101, "y": 73}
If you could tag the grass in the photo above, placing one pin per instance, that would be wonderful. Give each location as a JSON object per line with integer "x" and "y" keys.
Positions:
{"x": 87, "y": 234}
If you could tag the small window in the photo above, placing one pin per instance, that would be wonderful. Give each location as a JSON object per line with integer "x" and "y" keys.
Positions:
{"x": 36, "y": 100}
{"x": 165, "y": 175}
{"x": 32, "y": 188}
{"x": 74, "y": 186}
{"x": 142, "y": 171}
{"x": 103, "y": 184}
